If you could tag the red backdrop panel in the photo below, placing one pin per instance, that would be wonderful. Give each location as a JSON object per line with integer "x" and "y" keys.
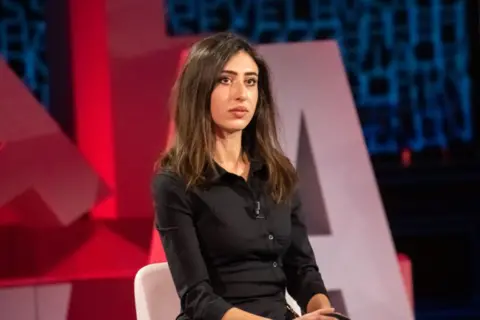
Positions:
{"x": 46, "y": 184}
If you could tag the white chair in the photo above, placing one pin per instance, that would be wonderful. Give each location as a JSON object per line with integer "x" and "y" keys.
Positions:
{"x": 156, "y": 297}
{"x": 155, "y": 294}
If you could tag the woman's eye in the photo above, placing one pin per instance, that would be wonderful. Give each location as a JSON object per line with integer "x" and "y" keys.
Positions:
{"x": 225, "y": 80}
{"x": 252, "y": 82}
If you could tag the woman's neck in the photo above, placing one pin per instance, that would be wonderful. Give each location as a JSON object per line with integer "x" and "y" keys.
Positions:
{"x": 228, "y": 151}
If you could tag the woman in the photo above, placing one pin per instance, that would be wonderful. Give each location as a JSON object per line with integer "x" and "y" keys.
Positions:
{"x": 226, "y": 207}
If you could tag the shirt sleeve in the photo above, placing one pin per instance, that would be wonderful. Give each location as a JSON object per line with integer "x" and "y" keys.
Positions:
{"x": 303, "y": 277}
{"x": 174, "y": 222}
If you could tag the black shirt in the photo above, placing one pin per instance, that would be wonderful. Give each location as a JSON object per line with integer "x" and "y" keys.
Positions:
{"x": 228, "y": 244}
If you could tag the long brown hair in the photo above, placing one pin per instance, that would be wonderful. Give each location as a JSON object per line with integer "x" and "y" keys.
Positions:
{"x": 191, "y": 152}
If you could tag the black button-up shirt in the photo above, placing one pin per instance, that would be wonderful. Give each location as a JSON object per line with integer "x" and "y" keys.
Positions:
{"x": 228, "y": 244}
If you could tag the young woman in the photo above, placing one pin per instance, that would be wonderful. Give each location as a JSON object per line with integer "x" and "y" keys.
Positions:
{"x": 225, "y": 195}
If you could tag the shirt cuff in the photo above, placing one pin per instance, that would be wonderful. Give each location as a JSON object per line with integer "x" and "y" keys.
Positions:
{"x": 311, "y": 288}
{"x": 216, "y": 309}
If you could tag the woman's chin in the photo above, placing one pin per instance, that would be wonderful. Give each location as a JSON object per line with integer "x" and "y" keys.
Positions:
{"x": 234, "y": 126}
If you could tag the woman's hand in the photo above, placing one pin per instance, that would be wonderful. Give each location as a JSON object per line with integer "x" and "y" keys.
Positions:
{"x": 320, "y": 314}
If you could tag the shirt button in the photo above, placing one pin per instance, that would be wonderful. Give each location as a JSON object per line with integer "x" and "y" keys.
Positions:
{"x": 270, "y": 236}
{"x": 274, "y": 264}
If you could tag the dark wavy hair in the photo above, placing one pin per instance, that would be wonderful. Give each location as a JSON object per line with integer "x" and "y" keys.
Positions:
{"x": 191, "y": 152}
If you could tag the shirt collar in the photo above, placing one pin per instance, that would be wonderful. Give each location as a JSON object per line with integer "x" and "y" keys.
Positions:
{"x": 218, "y": 172}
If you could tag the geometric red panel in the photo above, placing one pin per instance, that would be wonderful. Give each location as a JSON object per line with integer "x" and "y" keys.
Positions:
{"x": 94, "y": 299}
{"x": 123, "y": 65}
{"x": 105, "y": 254}
{"x": 85, "y": 249}
{"x": 45, "y": 179}
{"x": 100, "y": 299}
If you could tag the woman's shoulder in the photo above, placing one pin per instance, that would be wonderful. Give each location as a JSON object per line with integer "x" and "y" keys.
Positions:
{"x": 167, "y": 182}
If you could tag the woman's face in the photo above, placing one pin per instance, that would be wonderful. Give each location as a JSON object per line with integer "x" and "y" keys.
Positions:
{"x": 234, "y": 98}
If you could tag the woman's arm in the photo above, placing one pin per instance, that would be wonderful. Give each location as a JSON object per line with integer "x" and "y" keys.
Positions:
{"x": 304, "y": 281}
{"x": 173, "y": 216}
